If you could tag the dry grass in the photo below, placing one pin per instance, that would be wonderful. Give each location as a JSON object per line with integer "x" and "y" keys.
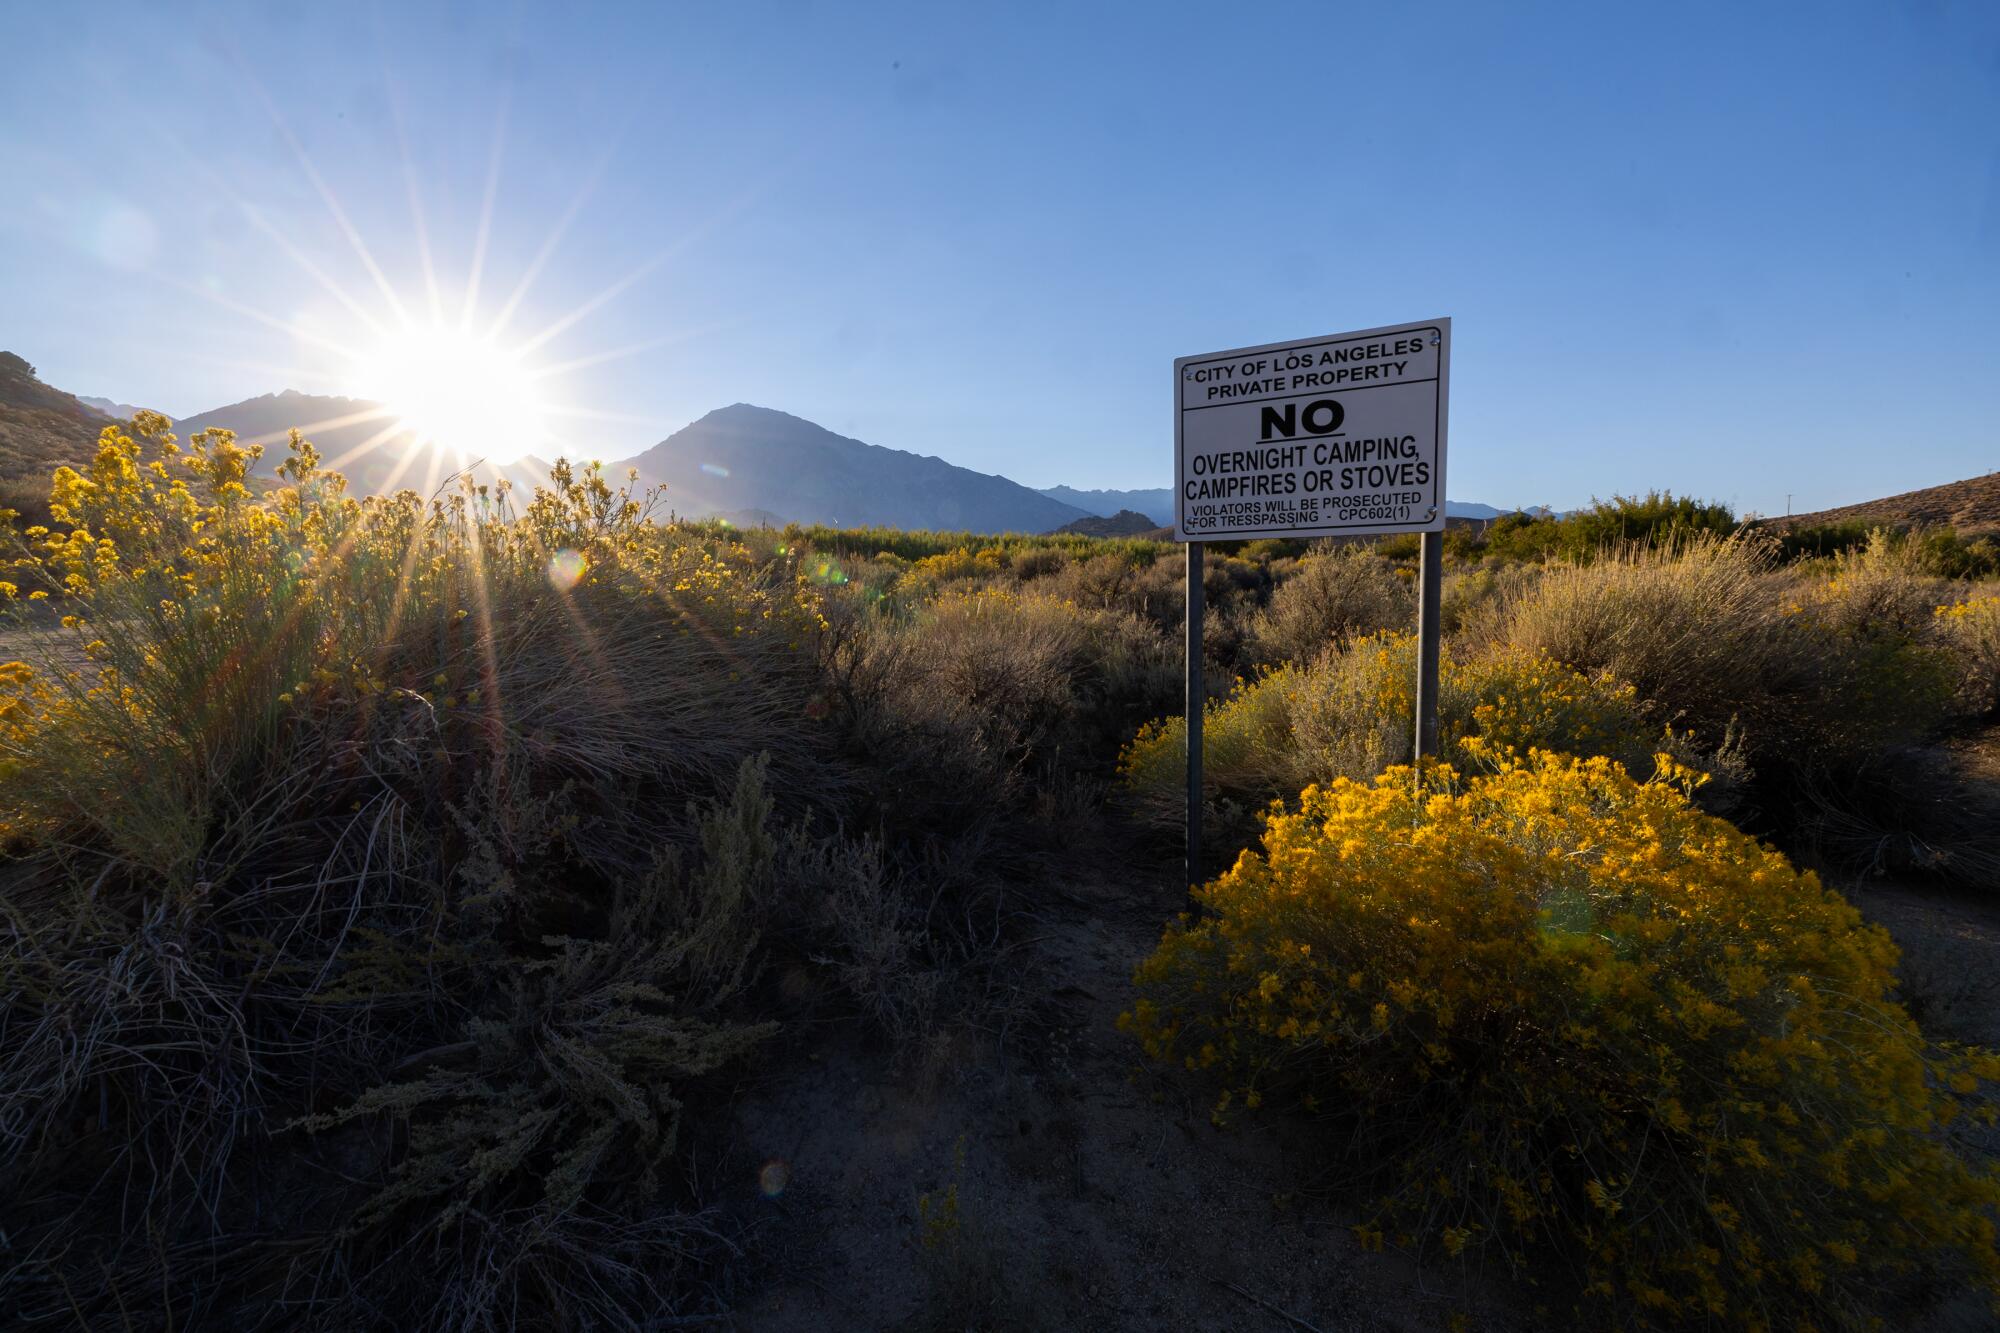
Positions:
{"x": 1333, "y": 597}
{"x": 1697, "y": 627}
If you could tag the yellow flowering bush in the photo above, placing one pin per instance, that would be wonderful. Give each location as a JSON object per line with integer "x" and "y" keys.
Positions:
{"x": 207, "y": 627}
{"x": 1565, "y": 1013}
{"x": 961, "y": 563}
{"x": 1351, "y": 714}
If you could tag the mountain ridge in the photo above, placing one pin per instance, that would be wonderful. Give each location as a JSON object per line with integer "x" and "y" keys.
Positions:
{"x": 742, "y": 461}
{"x": 744, "y": 456}
{"x": 355, "y": 437}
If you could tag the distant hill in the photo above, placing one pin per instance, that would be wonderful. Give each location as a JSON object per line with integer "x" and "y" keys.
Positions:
{"x": 354, "y": 437}
{"x": 116, "y": 411}
{"x": 1972, "y": 506}
{"x": 751, "y": 518}
{"x": 1124, "y": 523}
{"x": 41, "y": 429}
{"x": 1157, "y": 505}
{"x": 746, "y": 457}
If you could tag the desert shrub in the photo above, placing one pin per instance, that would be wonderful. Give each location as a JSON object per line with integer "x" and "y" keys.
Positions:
{"x": 1883, "y": 589}
{"x": 1814, "y": 541}
{"x": 27, "y": 497}
{"x": 1696, "y": 628}
{"x": 1522, "y": 537}
{"x": 960, "y": 563}
{"x": 914, "y": 545}
{"x": 1652, "y": 518}
{"x": 1560, "y": 1014}
{"x": 1476, "y": 600}
{"x": 1268, "y": 550}
{"x": 851, "y": 915}
{"x": 974, "y": 1274}
{"x": 561, "y": 1099}
{"x": 1938, "y": 551}
{"x": 222, "y": 631}
{"x": 344, "y": 795}
{"x": 1352, "y": 714}
{"x": 1107, "y": 581}
{"x": 1404, "y": 546}
{"x": 1878, "y": 676}
{"x": 1038, "y": 562}
{"x": 1247, "y": 749}
{"x": 1971, "y": 632}
{"x": 1657, "y": 518}
{"x": 1155, "y": 591}
{"x": 1814, "y": 674}
{"x": 966, "y": 705}
{"x": 1331, "y": 598}
{"x": 1947, "y": 553}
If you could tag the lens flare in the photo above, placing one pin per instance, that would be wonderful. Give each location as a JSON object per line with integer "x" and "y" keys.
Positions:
{"x": 565, "y": 568}
{"x": 773, "y": 1177}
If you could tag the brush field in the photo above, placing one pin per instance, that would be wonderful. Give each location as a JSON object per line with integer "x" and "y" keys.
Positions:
{"x": 495, "y": 910}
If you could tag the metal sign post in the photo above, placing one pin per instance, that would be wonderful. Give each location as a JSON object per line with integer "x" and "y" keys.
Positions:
{"x": 1197, "y": 704}
{"x": 1320, "y": 437}
{"x": 1430, "y": 586}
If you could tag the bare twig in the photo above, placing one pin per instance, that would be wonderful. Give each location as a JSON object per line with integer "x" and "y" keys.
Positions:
{"x": 1261, "y": 1303}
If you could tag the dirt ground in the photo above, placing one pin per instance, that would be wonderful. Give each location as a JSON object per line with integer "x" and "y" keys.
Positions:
{"x": 1093, "y": 1194}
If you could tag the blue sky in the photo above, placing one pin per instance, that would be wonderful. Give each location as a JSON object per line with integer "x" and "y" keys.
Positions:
{"x": 1734, "y": 250}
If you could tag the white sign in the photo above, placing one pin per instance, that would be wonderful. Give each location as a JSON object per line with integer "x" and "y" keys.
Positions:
{"x": 1325, "y": 435}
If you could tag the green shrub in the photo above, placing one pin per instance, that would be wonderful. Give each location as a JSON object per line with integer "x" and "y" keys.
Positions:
{"x": 1563, "y": 1016}
{"x": 1820, "y": 540}
{"x": 913, "y": 546}
{"x": 1659, "y": 517}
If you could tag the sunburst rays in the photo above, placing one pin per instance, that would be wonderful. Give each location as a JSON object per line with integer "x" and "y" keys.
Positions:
{"x": 390, "y": 328}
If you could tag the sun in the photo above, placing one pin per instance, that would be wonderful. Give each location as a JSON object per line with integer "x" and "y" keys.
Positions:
{"x": 457, "y": 390}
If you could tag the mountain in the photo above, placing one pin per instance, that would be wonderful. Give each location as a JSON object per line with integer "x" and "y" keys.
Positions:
{"x": 356, "y": 438}
{"x": 41, "y": 428}
{"x": 748, "y": 518}
{"x": 747, "y": 457}
{"x": 116, "y": 411}
{"x": 1972, "y": 506}
{"x": 1157, "y": 505}
{"x": 1124, "y": 523}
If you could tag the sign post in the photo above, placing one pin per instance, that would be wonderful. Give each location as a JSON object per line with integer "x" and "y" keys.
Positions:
{"x": 1336, "y": 436}
{"x": 1197, "y": 702}
{"x": 1430, "y": 587}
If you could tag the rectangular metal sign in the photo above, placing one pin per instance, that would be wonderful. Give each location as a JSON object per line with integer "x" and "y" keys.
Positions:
{"x": 1343, "y": 434}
